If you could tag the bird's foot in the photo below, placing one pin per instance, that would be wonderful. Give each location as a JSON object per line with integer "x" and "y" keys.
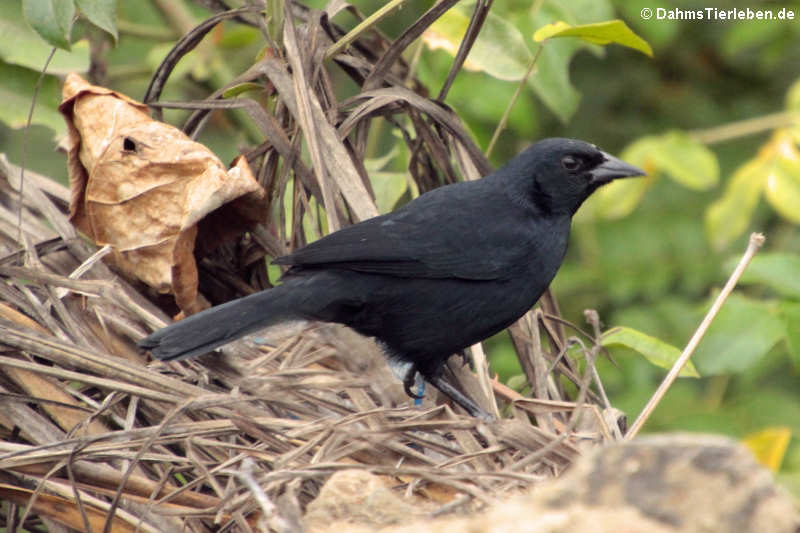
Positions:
{"x": 409, "y": 380}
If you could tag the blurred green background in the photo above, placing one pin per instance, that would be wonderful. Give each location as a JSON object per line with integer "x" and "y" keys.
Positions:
{"x": 713, "y": 116}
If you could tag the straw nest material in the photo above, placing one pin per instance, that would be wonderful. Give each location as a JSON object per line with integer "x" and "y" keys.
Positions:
{"x": 94, "y": 435}
{"x": 89, "y": 424}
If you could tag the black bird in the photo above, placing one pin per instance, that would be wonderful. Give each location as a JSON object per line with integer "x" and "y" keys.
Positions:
{"x": 448, "y": 269}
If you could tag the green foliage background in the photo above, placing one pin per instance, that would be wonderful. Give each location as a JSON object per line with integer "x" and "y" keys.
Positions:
{"x": 713, "y": 116}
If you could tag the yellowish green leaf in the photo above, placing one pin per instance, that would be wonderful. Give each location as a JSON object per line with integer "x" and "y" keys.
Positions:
{"x": 776, "y": 171}
{"x": 793, "y": 97}
{"x": 602, "y": 33}
{"x": 728, "y": 217}
{"x": 638, "y": 153}
{"x": 654, "y": 350}
{"x": 674, "y": 153}
{"x": 769, "y": 445}
{"x": 551, "y": 30}
{"x": 685, "y": 160}
{"x": 677, "y": 155}
{"x": 782, "y": 188}
{"x": 619, "y": 198}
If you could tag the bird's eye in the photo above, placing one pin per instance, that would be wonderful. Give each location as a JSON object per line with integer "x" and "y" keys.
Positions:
{"x": 570, "y": 163}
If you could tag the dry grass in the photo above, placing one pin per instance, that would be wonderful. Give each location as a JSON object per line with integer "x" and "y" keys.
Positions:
{"x": 90, "y": 429}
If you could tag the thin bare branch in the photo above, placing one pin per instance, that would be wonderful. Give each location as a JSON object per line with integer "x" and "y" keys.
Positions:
{"x": 756, "y": 240}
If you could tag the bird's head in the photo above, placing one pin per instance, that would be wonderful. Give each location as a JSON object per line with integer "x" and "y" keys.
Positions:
{"x": 557, "y": 175}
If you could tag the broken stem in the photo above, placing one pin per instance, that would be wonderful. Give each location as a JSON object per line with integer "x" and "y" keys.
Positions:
{"x": 756, "y": 240}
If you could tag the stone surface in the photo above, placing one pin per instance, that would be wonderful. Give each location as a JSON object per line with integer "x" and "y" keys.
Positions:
{"x": 655, "y": 484}
{"x": 354, "y": 499}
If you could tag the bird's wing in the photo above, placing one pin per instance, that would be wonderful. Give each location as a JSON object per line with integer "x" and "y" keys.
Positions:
{"x": 452, "y": 234}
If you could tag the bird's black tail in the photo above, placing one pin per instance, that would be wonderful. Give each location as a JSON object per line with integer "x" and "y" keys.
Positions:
{"x": 201, "y": 333}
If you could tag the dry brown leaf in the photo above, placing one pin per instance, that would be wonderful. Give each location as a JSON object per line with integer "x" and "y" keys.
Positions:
{"x": 11, "y": 314}
{"x": 65, "y": 511}
{"x": 47, "y": 388}
{"x": 143, "y": 186}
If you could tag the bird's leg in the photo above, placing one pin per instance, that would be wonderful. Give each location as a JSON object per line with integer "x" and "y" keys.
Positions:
{"x": 409, "y": 380}
{"x": 460, "y": 398}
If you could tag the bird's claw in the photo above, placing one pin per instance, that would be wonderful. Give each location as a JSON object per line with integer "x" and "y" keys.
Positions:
{"x": 409, "y": 381}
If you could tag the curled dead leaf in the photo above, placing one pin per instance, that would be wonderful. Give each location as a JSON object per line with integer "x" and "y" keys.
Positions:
{"x": 142, "y": 187}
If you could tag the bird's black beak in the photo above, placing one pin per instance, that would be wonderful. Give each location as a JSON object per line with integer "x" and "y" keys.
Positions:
{"x": 613, "y": 168}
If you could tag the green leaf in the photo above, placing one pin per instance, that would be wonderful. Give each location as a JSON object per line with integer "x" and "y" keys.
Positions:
{"x": 517, "y": 382}
{"x": 239, "y": 37}
{"x": 728, "y": 217}
{"x": 780, "y": 271}
{"x": 790, "y": 315}
{"x": 20, "y": 45}
{"x": 187, "y": 65}
{"x": 550, "y": 80}
{"x": 389, "y": 187}
{"x": 654, "y": 350}
{"x": 685, "y": 160}
{"x": 52, "y": 19}
{"x": 101, "y": 13}
{"x": 500, "y": 49}
{"x": 375, "y": 164}
{"x": 15, "y": 99}
{"x": 313, "y": 222}
{"x": 242, "y": 88}
{"x": 741, "y": 334}
{"x": 602, "y": 33}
